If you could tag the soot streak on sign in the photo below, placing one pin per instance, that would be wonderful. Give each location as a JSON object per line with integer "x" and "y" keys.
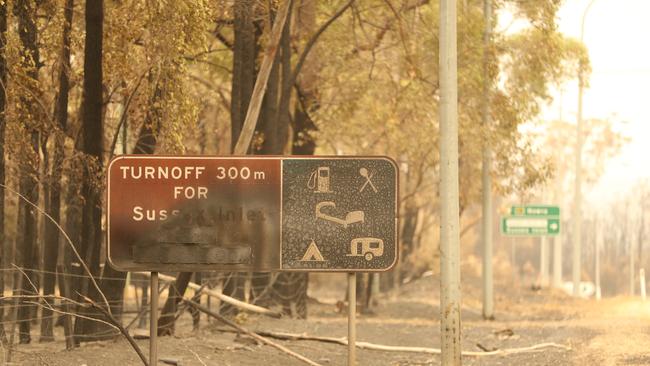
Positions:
{"x": 339, "y": 214}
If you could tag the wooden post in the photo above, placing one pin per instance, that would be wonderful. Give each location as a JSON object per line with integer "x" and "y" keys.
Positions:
{"x": 352, "y": 318}
{"x": 153, "y": 318}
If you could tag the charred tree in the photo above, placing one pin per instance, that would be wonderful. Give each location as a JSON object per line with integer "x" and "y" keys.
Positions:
{"x": 243, "y": 72}
{"x": 92, "y": 147}
{"x": 243, "y": 81}
{"x": 3, "y": 121}
{"x": 28, "y": 185}
{"x": 303, "y": 141}
{"x": 52, "y": 234}
{"x": 267, "y": 144}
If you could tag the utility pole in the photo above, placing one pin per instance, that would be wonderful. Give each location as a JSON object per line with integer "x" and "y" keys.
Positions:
{"x": 577, "y": 203}
{"x": 449, "y": 196}
{"x": 486, "y": 180}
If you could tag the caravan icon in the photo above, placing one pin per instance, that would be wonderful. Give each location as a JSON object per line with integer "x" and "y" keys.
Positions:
{"x": 368, "y": 248}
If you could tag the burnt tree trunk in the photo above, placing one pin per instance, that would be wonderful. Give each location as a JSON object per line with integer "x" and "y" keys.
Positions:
{"x": 303, "y": 141}
{"x": 52, "y": 234}
{"x": 92, "y": 148}
{"x": 28, "y": 185}
{"x": 243, "y": 72}
{"x": 243, "y": 81}
{"x": 266, "y": 129}
{"x": 3, "y": 121}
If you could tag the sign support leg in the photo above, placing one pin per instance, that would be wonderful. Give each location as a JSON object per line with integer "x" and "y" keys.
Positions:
{"x": 153, "y": 318}
{"x": 352, "y": 318}
{"x": 543, "y": 261}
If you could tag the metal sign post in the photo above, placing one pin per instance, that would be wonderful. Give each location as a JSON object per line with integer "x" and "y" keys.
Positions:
{"x": 543, "y": 261}
{"x": 153, "y": 325}
{"x": 449, "y": 192}
{"x": 352, "y": 319}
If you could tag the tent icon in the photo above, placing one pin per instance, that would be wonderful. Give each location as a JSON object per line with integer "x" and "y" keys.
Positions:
{"x": 312, "y": 254}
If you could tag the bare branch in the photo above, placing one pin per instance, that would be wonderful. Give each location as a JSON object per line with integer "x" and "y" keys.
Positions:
{"x": 312, "y": 41}
{"x": 126, "y": 109}
{"x": 55, "y": 297}
{"x": 113, "y": 323}
{"x": 67, "y": 238}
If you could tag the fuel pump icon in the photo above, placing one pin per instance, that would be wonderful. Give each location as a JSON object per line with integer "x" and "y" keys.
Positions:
{"x": 320, "y": 180}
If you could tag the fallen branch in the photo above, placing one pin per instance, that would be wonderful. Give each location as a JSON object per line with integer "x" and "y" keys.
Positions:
{"x": 222, "y": 297}
{"x": 380, "y": 347}
{"x": 220, "y": 318}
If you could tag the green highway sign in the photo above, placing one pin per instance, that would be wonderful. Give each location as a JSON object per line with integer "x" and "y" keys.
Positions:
{"x": 535, "y": 210}
{"x": 532, "y": 220}
{"x": 529, "y": 226}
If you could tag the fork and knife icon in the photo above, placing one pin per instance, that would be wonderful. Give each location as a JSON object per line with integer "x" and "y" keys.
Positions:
{"x": 364, "y": 173}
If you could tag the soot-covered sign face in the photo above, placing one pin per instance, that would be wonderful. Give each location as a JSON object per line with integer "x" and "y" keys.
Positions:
{"x": 252, "y": 213}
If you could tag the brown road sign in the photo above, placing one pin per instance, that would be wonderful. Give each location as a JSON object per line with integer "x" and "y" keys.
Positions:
{"x": 184, "y": 213}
